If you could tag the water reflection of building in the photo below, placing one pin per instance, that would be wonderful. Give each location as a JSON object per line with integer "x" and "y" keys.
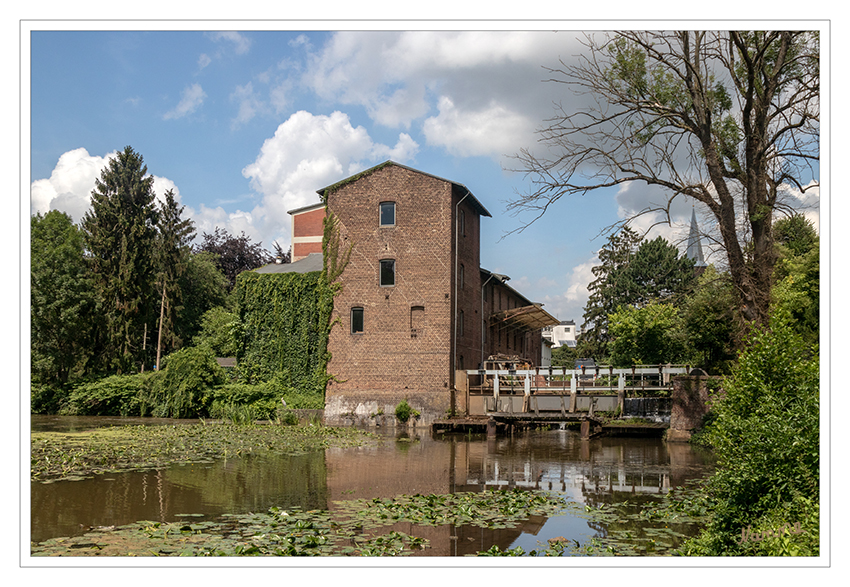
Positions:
{"x": 413, "y": 466}
{"x": 591, "y": 472}
{"x": 588, "y": 471}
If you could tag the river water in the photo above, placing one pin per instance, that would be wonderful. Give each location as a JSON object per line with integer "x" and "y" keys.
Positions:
{"x": 600, "y": 470}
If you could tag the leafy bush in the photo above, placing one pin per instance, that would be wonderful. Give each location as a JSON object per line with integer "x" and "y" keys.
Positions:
{"x": 118, "y": 395}
{"x": 403, "y": 411}
{"x": 47, "y": 399}
{"x": 766, "y": 437}
{"x": 184, "y": 388}
{"x": 220, "y": 331}
{"x": 241, "y": 401}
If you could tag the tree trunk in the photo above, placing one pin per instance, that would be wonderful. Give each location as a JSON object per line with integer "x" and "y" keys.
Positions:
{"x": 159, "y": 337}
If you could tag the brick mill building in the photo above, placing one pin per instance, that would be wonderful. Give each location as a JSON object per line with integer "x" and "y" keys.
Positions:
{"x": 415, "y": 304}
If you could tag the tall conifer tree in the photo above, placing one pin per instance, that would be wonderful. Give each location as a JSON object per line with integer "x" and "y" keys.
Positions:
{"x": 120, "y": 237}
{"x": 173, "y": 250}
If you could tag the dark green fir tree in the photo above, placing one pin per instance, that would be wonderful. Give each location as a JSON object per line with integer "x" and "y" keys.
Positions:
{"x": 120, "y": 236}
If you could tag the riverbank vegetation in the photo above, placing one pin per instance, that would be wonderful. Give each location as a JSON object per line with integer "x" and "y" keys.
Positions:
{"x": 764, "y": 421}
{"x": 766, "y": 435}
{"x": 128, "y": 318}
{"x": 69, "y": 456}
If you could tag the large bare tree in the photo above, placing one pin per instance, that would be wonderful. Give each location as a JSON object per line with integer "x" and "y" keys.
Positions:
{"x": 730, "y": 119}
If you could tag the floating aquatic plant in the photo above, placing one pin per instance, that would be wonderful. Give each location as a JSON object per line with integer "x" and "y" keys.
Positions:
{"x": 352, "y": 528}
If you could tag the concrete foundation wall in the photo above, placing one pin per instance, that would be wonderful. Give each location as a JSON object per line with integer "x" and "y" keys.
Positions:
{"x": 377, "y": 407}
{"x": 691, "y": 402}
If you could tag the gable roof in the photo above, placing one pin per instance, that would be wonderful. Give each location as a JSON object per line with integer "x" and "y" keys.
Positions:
{"x": 475, "y": 203}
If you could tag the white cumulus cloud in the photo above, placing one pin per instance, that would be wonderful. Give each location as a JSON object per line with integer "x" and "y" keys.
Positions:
{"x": 69, "y": 187}
{"x": 70, "y": 184}
{"x": 191, "y": 99}
{"x": 479, "y": 81}
{"x": 490, "y": 130}
{"x": 307, "y": 153}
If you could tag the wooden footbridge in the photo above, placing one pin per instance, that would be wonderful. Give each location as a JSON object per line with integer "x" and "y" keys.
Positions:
{"x": 508, "y": 396}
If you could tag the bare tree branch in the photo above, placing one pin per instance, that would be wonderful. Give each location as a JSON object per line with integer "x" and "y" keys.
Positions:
{"x": 720, "y": 117}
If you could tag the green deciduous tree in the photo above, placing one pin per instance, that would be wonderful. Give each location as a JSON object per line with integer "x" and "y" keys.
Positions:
{"x": 729, "y": 119}
{"x": 797, "y": 287}
{"x": 120, "y": 237}
{"x": 63, "y": 306}
{"x": 203, "y": 287}
{"x": 220, "y": 331}
{"x": 795, "y": 235}
{"x": 646, "y": 335}
{"x": 633, "y": 273}
{"x": 710, "y": 323}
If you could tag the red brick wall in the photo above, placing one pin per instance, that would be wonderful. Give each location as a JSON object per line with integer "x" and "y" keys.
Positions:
{"x": 387, "y": 362}
{"x": 301, "y": 250}
{"x": 308, "y": 223}
{"x": 468, "y": 354}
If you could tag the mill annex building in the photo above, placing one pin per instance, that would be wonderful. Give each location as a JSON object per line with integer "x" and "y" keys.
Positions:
{"x": 415, "y": 304}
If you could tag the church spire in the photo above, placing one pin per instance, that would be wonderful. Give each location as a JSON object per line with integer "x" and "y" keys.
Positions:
{"x": 694, "y": 246}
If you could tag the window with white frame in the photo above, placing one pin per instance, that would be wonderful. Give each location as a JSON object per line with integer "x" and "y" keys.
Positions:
{"x": 387, "y": 213}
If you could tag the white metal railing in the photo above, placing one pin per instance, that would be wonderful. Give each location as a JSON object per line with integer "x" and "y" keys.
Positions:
{"x": 575, "y": 378}
{"x": 598, "y": 370}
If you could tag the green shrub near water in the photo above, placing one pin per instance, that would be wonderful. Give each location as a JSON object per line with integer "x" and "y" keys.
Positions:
{"x": 118, "y": 395}
{"x": 191, "y": 385}
{"x": 262, "y": 401}
{"x": 404, "y": 412}
{"x": 184, "y": 388}
{"x": 765, "y": 433}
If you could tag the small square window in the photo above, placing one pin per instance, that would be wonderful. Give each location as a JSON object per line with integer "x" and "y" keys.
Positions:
{"x": 387, "y": 213}
{"x": 387, "y": 272}
{"x": 356, "y": 320}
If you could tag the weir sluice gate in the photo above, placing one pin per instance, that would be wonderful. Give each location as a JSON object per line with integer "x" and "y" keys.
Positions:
{"x": 555, "y": 394}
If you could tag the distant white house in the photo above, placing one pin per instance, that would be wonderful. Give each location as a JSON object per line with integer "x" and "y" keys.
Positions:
{"x": 564, "y": 334}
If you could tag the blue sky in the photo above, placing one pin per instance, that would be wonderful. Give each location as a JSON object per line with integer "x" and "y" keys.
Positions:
{"x": 247, "y": 125}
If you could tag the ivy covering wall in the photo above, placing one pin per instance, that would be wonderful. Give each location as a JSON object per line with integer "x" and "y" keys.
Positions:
{"x": 286, "y": 321}
{"x": 285, "y": 325}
